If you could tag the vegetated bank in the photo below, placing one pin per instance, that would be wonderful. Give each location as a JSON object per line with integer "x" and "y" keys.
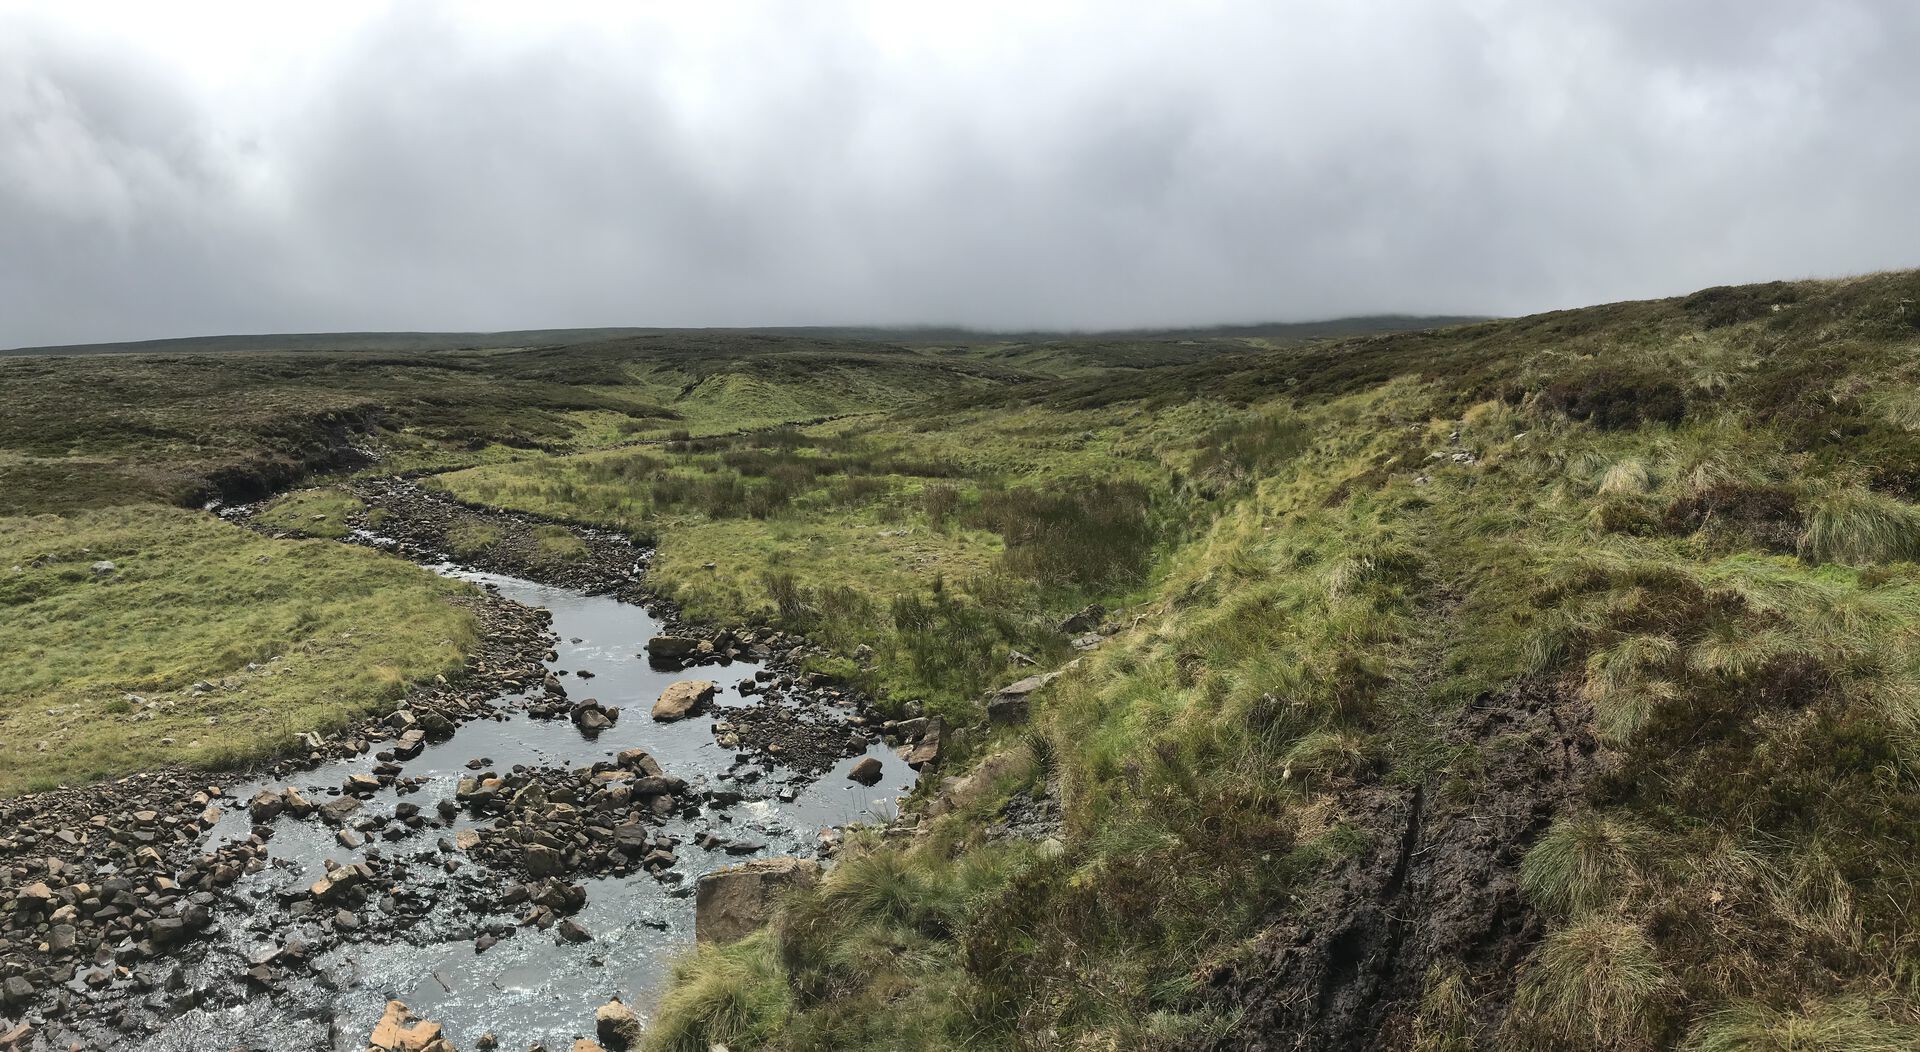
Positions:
{"x": 1544, "y": 683}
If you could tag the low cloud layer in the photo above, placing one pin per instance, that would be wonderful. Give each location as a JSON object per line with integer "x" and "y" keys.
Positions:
{"x": 1083, "y": 165}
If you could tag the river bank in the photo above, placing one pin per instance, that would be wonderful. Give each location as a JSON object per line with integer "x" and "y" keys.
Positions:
{"x": 505, "y": 852}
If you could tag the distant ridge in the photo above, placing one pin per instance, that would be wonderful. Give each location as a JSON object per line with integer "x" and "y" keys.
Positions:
{"x": 928, "y": 334}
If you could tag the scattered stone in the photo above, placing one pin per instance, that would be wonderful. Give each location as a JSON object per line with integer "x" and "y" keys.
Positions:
{"x": 866, "y": 772}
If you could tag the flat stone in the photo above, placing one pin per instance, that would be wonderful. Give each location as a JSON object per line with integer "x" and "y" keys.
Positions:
{"x": 398, "y": 1031}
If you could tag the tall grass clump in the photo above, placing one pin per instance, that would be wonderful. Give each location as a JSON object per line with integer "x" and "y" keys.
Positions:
{"x": 1088, "y": 535}
{"x": 1860, "y": 528}
{"x": 1584, "y": 862}
{"x": 1594, "y": 984}
{"x": 1844, "y": 1026}
{"x": 733, "y": 995}
{"x": 1251, "y": 446}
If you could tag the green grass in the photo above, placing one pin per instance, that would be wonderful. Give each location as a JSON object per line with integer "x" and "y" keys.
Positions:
{"x": 722, "y": 995}
{"x": 943, "y": 548}
{"x": 557, "y": 544}
{"x": 468, "y": 540}
{"x": 313, "y": 512}
{"x": 1687, "y": 513}
{"x": 97, "y": 677}
{"x": 1693, "y": 518}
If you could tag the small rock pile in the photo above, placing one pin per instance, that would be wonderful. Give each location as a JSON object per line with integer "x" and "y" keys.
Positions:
{"x": 418, "y": 521}
{"x": 602, "y": 819}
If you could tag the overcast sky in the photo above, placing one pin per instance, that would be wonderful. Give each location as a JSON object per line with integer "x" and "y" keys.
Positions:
{"x": 182, "y": 169}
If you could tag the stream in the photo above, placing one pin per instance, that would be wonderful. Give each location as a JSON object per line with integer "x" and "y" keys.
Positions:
{"x": 531, "y": 986}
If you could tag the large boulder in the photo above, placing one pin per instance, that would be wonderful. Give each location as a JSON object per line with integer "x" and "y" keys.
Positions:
{"x": 732, "y": 903}
{"x": 670, "y": 649}
{"x": 683, "y": 699}
{"x": 1009, "y": 703}
{"x": 617, "y": 1027}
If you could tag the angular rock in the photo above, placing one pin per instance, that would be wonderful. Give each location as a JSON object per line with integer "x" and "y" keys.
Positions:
{"x": 1085, "y": 621}
{"x": 683, "y": 699}
{"x": 927, "y": 749}
{"x": 733, "y": 902}
{"x": 297, "y": 805}
{"x": 543, "y": 861}
{"x": 399, "y": 1031}
{"x": 672, "y": 648}
{"x": 266, "y": 806}
{"x": 866, "y": 772}
{"x": 639, "y": 760}
{"x": 617, "y": 1027}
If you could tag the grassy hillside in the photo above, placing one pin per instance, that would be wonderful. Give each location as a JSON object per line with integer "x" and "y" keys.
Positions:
{"x": 107, "y": 430}
{"x": 1548, "y": 683}
{"x": 522, "y": 339}
{"x": 1535, "y": 684}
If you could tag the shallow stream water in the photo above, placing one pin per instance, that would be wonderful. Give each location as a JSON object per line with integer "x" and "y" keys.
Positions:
{"x": 530, "y": 987}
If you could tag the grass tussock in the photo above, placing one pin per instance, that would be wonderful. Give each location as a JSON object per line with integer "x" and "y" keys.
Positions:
{"x": 721, "y": 995}
{"x": 1585, "y": 862}
{"x": 1861, "y": 528}
{"x": 1595, "y": 984}
{"x": 1843, "y": 1026}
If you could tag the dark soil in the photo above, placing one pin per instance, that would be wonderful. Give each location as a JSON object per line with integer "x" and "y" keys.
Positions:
{"x": 1438, "y": 887}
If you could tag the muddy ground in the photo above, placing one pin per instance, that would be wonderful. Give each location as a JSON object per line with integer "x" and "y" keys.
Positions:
{"x": 1438, "y": 887}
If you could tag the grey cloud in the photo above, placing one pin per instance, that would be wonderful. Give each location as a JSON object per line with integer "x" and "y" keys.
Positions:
{"x": 1125, "y": 164}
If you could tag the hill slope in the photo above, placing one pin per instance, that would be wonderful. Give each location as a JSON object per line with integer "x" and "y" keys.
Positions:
{"x": 1546, "y": 683}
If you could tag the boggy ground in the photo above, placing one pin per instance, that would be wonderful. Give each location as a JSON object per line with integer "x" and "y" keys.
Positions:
{"x": 1436, "y": 892}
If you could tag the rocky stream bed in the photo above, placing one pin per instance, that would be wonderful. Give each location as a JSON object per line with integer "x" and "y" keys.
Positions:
{"x": 505, "y": 853}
